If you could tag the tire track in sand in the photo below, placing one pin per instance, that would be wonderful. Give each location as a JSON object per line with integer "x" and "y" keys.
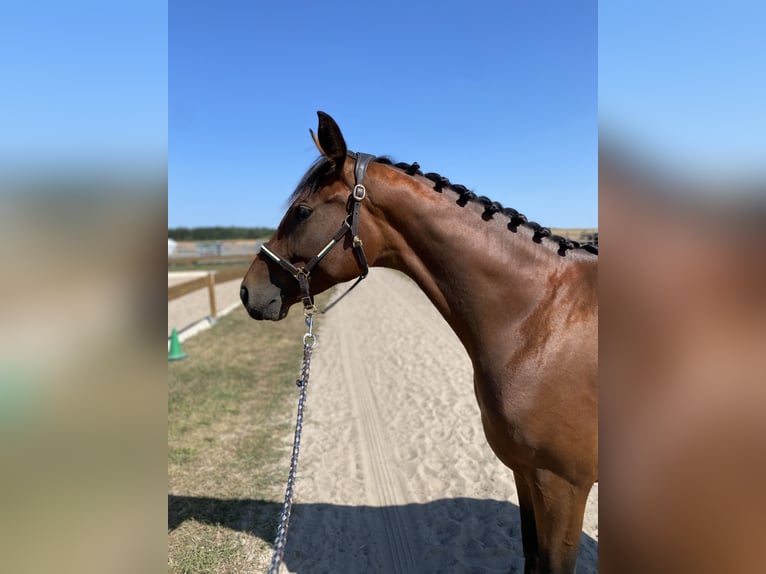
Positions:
{"x": 384, "y": 488}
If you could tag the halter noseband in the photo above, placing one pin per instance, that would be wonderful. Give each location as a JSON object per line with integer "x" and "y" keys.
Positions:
{"x": 301, "y": 274}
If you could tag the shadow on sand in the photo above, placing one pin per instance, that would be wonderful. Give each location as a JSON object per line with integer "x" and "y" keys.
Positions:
{"x": 451, "y": 535}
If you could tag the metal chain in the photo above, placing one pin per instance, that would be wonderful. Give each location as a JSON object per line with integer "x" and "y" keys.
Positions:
{"x": 309, "y": 340}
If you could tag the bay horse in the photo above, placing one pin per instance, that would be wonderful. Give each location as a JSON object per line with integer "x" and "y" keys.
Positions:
{"x": 522, "y": 301}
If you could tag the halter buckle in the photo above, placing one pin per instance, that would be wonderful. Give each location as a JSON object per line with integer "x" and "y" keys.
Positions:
{"x": 359, "y": 192}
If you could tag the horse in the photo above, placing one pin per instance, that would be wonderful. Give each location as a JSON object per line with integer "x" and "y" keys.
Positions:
{"x": 522, "y": 301}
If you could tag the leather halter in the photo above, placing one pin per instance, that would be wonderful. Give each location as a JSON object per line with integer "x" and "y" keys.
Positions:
{"x": 349, "y": 225}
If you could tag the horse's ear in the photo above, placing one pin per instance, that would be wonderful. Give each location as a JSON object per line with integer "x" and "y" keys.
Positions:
{"x": 330, "y": 141}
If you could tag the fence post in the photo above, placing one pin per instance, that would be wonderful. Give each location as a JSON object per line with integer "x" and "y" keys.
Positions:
{"x": 211, "y": 292}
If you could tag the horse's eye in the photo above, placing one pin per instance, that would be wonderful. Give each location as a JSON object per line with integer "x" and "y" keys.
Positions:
{"x": 302, "y": 212}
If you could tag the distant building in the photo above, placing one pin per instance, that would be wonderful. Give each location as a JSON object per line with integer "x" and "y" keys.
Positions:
{"x": 172, "y": 246}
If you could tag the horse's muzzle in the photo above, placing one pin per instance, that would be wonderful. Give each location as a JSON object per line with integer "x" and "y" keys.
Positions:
{"x": 262, "y": 308}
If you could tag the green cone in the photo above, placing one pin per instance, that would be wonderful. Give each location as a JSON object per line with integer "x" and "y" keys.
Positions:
{"x": 175, "y": 353}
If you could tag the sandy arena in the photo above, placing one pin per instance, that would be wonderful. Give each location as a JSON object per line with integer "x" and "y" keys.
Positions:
{"x": 395, "y": 474}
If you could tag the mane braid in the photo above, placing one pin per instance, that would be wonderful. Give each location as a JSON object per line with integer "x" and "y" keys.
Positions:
{"x": 491, "y": 208}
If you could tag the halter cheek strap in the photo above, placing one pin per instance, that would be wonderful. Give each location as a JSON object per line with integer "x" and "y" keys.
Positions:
{"x": 349, "y": 225}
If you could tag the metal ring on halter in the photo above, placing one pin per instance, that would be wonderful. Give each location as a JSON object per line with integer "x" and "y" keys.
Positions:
{"x": 359, "y": 192}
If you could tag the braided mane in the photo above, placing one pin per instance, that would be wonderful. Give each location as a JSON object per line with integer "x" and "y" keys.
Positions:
{"x": 492, "y": 207}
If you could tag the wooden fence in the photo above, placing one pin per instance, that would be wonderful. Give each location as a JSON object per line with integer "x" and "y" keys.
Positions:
{"x": 209, "y": 259}
{"x": 208, "y": 281}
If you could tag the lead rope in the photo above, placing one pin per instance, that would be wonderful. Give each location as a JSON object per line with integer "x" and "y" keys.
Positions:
{"x": 309, "y": 340}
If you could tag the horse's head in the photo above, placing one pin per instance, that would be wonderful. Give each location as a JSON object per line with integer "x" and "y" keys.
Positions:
{"x": 317, "y": 244}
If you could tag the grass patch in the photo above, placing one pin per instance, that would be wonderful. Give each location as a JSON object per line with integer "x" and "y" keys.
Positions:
{"x": 231, "y": 411}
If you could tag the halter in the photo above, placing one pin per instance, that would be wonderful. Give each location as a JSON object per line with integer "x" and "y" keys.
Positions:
{"x": 302, "y": 274}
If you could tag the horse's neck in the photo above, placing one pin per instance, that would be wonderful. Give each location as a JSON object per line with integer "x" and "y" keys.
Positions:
{"x": 477, "y": 273}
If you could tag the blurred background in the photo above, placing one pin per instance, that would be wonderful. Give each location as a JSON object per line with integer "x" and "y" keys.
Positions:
{"x": 83, "y": 209}
{"x": 682, "y": 206}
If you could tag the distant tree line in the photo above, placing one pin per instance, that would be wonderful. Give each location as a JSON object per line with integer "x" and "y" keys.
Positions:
{"x": 222, "y": 233}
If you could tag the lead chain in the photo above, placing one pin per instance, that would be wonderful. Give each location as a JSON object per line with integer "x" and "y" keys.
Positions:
{"x": 309, "y": 340}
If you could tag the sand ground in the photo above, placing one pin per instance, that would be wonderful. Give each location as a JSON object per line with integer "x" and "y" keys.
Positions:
{"x": 395, "y": 474}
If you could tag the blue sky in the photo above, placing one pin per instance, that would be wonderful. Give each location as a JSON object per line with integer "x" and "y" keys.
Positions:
{"x": 83, "y": 85}
{"x": 683, "y": 82}
{"x": 498, "y": 96}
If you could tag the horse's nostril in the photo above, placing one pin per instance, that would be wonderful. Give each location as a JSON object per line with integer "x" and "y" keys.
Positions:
{"x": 243, "y": 294}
